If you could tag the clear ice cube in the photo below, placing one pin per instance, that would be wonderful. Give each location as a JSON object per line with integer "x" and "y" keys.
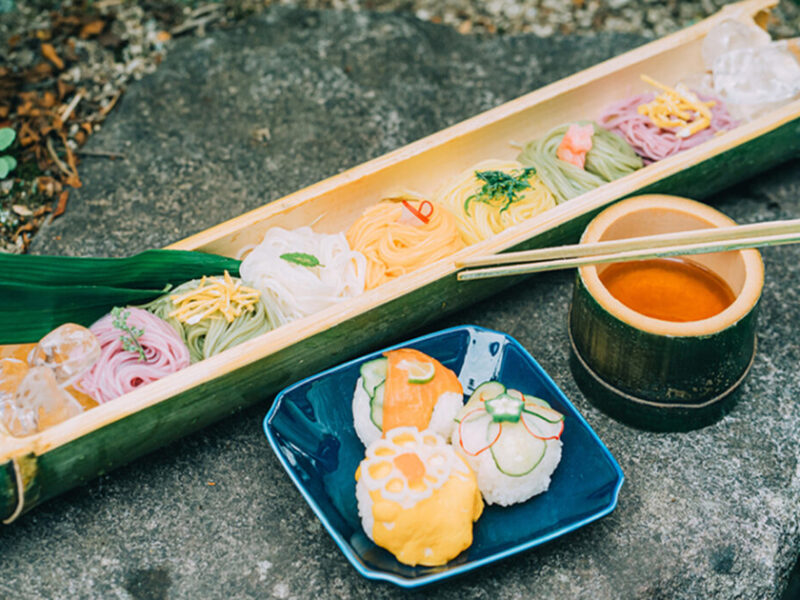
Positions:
{"x": 69, "y": 350}
{"x": 731, "y": 35}
{"x": 749, "y": 72}
{"x": 12, "y": 372}
{"x": 768, "y": 74}
{"x": 39, "y": 403}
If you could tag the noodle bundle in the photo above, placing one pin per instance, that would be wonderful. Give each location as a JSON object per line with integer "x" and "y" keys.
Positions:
{"x": 395, "y": 241}
{"x": 213, "y": 334}
{"x": 492, "y": 196}
{"x": 653, "y": 142}
{"x": 610, "y": 157}
{"x": 300, "y": 272}
{"x": 120, "y": 370}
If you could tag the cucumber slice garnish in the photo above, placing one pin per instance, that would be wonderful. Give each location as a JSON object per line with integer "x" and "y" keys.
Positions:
{"x": 516, "y": 452}
{"x": 486, "y": 390}
{"x": 373, "y": 373}
{"x": 376, "y": 406}
{"x": 418, "y": 371}
{"x": 504, "y": 408}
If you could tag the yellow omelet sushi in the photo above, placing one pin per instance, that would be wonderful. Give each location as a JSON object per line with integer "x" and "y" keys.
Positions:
{"x": 416, "y": 497}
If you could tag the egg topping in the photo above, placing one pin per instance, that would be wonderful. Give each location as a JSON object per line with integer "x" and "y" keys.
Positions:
{"x": 417, "y": 498}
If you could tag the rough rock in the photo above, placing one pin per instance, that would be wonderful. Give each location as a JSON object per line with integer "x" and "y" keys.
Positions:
{"x": 707, "y": 514}
{"x": 331, "y": 89}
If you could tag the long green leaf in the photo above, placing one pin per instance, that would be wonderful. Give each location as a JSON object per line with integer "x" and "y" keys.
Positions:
{"x": 28, "y": 312}
{"x": 39, "y": 293}
{"x": 150, "y": 269}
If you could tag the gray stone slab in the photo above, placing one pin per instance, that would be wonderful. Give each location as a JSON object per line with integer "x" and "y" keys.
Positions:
{"x": 707, "y": 514}
{"x": 333, "y": 89}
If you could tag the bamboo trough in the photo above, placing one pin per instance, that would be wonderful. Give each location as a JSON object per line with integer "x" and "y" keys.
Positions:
{"x": 38, "y": 467}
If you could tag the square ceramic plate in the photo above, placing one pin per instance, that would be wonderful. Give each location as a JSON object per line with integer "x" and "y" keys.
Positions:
{"x": 310, "y": 427}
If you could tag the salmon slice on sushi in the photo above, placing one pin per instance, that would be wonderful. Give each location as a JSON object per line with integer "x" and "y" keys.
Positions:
{"x": 405, "y": 388}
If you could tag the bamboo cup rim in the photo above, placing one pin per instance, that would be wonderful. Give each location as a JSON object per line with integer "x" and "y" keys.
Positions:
{"x": 746, "y": 296}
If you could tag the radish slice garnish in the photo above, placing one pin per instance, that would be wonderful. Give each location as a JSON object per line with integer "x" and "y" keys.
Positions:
{"x": 541, "y": 428}
{"x": 475, "y": 426}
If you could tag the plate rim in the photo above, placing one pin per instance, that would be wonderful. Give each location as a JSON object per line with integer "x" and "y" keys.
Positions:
{"x": 415, "y": 582}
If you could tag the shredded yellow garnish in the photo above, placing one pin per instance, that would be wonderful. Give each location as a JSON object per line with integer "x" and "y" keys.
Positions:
{"x": 214, "y": 297}
{"x": 677, "y": 107}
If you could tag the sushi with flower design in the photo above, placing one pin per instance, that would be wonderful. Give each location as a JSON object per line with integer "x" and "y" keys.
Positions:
{"x": 511, "y": 440}
{"x": 416, "y": 497}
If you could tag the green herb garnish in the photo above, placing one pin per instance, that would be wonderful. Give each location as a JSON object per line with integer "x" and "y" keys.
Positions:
{"x": 130, "y": 342}
{"x": 302, "y": 259}
{"x": 498, "y": 185}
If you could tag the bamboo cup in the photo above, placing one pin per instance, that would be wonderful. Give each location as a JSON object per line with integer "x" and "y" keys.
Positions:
{"x": 655, "y": 374}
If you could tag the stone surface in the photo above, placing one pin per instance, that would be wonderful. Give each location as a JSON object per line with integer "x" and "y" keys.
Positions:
{"x": 707, "y": 514}
{"x": 331, "y": 89}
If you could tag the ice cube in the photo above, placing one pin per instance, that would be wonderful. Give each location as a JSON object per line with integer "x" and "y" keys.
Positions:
{"x": 749, "y": 76}
{"x": 38, "y": 404}
{"x": 69, "y": 350}
{"x": 12, "y": 372}
{"x": 731, "y": 35}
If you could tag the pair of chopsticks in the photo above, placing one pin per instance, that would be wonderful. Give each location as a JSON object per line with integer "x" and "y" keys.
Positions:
{"x": 697, "y": 241}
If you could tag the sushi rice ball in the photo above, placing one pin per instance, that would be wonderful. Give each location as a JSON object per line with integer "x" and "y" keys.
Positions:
{"x": 416, "y": 497}
{"x": 511, "y": 440}
{"x": 405, "y": 388}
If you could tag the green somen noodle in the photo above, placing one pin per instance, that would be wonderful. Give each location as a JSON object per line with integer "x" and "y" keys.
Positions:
{"x": 610, "y": 158}
{"x": 214, "y": 334}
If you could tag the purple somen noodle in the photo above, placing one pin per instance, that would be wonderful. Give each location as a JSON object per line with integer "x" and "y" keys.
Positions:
{"x": 652, "y": 142}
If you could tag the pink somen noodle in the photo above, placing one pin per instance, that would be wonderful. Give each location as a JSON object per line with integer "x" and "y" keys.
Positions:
{"x": 649, "y": 140}
{"x": 119, "y": 371}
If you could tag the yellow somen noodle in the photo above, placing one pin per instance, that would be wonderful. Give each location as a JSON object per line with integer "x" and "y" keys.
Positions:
{"x": 481, "y": 215}
{"x": 396, "y": 242}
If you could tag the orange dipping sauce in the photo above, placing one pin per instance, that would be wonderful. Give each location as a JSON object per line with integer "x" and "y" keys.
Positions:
{"x": 670, "y": 289}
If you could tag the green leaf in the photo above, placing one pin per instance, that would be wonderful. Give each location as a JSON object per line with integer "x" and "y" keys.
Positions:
{"x": 147, "y": 270}
{"x": 10, "y": 162}
{"x": 3, "y": 168}
{"x": 7, "y": 136}
{"x": 302, "y": 259}
{"x": 29, "y": 312}
{"x": 39, "y": 293}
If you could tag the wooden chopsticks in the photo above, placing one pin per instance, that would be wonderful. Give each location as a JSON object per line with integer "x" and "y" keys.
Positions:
{"x": 698, "y": 241}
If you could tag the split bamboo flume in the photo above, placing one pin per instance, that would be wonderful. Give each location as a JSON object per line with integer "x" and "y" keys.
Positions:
{"x": 120, "y": 331}
{"x": 291, "y": 274}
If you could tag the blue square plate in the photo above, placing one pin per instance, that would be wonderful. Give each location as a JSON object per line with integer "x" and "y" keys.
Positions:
{"x": 310, "y": 427}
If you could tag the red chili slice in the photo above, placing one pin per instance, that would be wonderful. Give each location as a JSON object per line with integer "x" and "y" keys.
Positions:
{"x": 421, "y": 213}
